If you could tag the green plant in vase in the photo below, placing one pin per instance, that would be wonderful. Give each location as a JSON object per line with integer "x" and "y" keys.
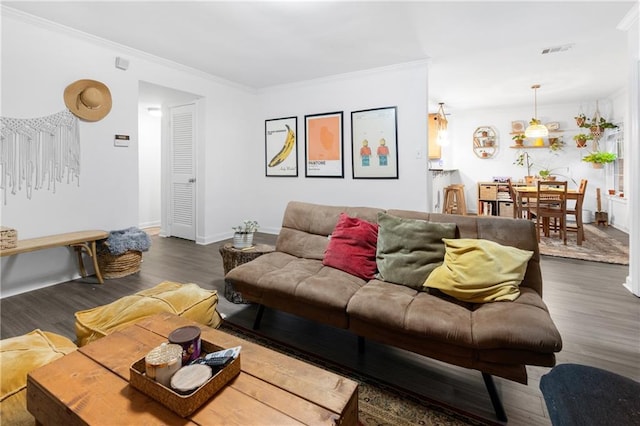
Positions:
{"x": 599, "y": 158}
{"x": 243, "y": 234}
{"x": 556, "y": 144}
{"x": 596, "y": 125}
{"x": 551, "y": 173}
{"x": 519, "y": 139}
{"x": 580, "y": 120}
{"x": 545, "y": 173}
{"x": 524, "y": 159}
{"x": 581, "y": 139}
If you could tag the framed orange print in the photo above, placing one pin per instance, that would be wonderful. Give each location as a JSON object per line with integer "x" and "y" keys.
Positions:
{"x": 324, "y": 153}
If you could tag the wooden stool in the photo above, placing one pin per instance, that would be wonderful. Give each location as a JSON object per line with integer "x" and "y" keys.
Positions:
{"x": 454, "y": 200}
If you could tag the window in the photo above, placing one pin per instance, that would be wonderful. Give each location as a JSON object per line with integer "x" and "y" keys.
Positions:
{"x": 615, "y": 143}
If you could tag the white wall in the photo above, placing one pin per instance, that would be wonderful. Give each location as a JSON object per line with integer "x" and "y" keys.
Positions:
{"x": 39, "y": 60}
{"x": 567, "y": 162}
{"x": 402, "y": 86}
{"x": 231, "y": 185}
{"x": 230, "y": 153}
{"x": 150, "y": 163}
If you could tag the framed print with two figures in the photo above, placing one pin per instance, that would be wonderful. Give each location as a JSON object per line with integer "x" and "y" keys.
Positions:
{"x": 374, "y": 143}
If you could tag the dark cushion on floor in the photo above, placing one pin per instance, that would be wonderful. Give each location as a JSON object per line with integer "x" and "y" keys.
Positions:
{"x": 581, "y": 395}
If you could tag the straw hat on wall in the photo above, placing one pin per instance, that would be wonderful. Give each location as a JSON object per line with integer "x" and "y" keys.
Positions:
{"x": 88, "y": 99}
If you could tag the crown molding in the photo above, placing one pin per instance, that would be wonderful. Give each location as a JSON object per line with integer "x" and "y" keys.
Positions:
{"x": 126, "y": 50}
{"x": 422, "y": 63}
{"x": 629, "y": 19}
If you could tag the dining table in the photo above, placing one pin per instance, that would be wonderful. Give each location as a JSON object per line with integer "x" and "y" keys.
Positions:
{"x": 526, "y": 193}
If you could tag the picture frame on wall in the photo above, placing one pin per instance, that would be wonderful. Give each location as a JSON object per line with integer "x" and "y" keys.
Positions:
{"x": 374, "y": 143}
{"x": 324, "y": 147}
{"x": 281, "y": 147}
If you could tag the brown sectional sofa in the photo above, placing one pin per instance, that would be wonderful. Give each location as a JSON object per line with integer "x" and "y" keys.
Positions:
{"x": 498, "y": 338}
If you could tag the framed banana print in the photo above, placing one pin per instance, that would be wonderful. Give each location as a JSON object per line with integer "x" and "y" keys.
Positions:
{"x": 324, "y": 152}
{"x": 374, "y": 143}
{"x": 281, "y": 146}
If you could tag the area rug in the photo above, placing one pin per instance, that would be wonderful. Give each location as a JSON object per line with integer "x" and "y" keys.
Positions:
{"x": 598, "y": 247}
{"x": 379, "y": 403}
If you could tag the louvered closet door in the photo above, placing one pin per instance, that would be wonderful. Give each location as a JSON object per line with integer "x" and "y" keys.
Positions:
{"x": 183, "y": 182}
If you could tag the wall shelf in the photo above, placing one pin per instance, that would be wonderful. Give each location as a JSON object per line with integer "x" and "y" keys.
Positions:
{"x": 485, "y": 142}
{"x": 550, "y": 132}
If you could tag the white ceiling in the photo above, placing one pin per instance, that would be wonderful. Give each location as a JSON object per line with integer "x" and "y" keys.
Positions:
{"x": 482, "y": 54}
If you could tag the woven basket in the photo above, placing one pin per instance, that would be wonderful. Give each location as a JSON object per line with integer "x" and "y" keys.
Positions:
{"x": 119, "y": 266}
{"x": 8, "y": 238}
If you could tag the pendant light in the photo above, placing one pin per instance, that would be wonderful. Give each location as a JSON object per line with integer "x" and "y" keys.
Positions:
{"x": 442, "y": 125}
{"x": 536, "y": 129}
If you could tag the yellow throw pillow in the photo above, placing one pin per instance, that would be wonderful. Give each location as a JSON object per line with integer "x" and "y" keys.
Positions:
{"x": 479, "y": 271}
{"x": 19, "y": 356}
{"x": 185, "y": 300}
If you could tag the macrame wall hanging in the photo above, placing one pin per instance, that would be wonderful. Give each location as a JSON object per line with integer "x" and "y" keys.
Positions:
{"x": 39, "y": 152}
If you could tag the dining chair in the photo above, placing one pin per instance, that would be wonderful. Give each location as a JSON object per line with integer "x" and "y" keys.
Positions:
{"x": 551, "y": 203}
{"x": 517, "y": 208}
{"x": 521, "y": 204}
{"x": 576, "y": 211}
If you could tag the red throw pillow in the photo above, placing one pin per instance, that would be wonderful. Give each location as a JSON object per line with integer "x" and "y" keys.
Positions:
{"x": 352, "y": 247}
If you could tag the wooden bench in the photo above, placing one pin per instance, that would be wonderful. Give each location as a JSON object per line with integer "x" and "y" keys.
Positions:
{"x": 82, "y": 240}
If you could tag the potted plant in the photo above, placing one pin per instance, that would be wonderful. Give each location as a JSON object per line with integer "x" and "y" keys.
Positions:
{"x": 596, "y": 125}
{"x": 243, "y": 235}
{"x": 519, "y": 139}
{"x": 556, "y": 144}
{"x": 581, "y": 139}
{"x": 580, "y": 119}
{"x": 600, "y": 158}
{"x": 546, "y": 174}
{"x": 524, "y": 159}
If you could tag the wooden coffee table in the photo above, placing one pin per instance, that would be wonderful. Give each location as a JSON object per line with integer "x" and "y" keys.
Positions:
{"x": 91, "y": 385}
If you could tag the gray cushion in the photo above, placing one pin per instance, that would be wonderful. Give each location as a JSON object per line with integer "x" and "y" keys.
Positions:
{"x": 409, "y": 249}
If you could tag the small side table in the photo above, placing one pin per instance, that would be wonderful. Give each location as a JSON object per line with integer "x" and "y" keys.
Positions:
{"x": 232, "y": 257}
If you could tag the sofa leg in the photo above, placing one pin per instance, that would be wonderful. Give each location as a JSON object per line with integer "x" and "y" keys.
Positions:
{"x": 360, "y": 344}
{"x": 256, "y": 322}
{"x": 495, "y": 398}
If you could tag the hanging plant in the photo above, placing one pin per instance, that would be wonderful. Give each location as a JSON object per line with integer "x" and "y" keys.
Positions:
{"x": 581, "y": 140}
{"x": 556, "y": 144}
{"x": 580, "y": 119}
{"x": 599, "y": 158}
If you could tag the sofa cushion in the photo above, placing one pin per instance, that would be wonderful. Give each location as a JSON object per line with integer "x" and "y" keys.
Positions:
{"x": 283, "y": 276}
{"x": 478, "y": 271}
{"x": 305, "y": 227}
{"x": 408, "y": 311}
{"x": 409, "y": 249}
{"x": 186, "y": 300}
{"x": 352, "y": 247}
{"x": 19, "y": 356}
{"x": 523, "y": 324}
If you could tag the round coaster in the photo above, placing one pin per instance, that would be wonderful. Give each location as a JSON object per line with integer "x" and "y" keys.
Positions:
{"x": 190, "y": 377}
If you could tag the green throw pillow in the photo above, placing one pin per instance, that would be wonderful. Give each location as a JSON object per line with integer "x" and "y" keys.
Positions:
{"x": 480, "y": 271}
{"x": 409, "y": 249}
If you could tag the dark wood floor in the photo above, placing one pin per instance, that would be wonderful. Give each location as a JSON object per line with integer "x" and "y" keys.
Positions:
{"x": 598, "y": 318}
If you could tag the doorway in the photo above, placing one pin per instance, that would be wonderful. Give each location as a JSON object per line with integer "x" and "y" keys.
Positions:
{"x": 154, "y": 191}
